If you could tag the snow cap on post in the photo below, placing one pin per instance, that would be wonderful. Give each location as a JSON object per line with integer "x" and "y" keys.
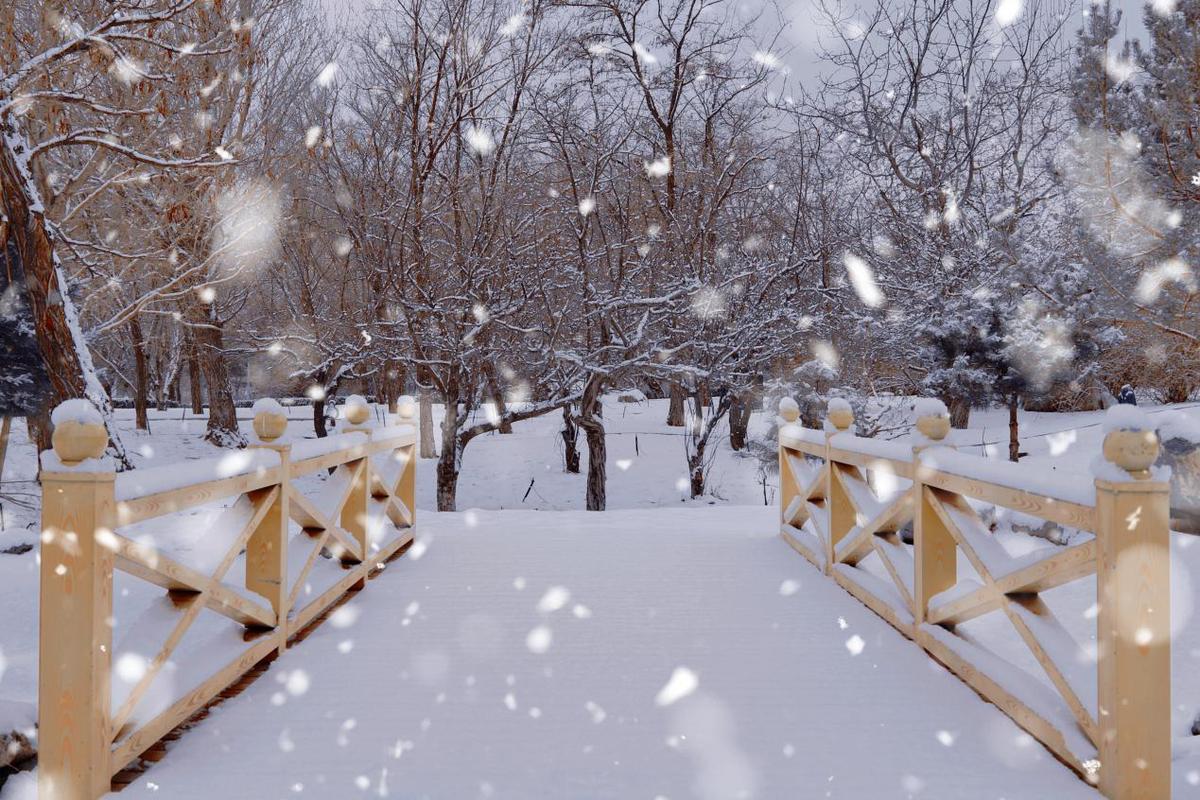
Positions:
{"x": 1130, "y": 440}
{"x": 406, "y": 407}
{"x": 933, "y": 420}
{"x": 356, "y": 410}
{"x": 79, "y": 432}
{"x": 789, "y": 409}
{"x": 270, "y": 420}
{"x": 839, "y": 413}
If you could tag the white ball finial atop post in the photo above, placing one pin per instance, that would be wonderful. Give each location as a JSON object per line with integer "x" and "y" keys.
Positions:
{"x": 933, "y": 420}
{"x": 270, "y": 420}
{"x": 356, "y": 410}
{"x": 1130, "y": 440}
{"x": 79, "y": 432}
{"x": 789, "y": 410}
{"x": 406, "y": 407}
{"x": 839, "y": 414}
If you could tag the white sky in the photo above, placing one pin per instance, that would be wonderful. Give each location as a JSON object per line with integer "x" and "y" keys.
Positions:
{"x": 799, "y": 38}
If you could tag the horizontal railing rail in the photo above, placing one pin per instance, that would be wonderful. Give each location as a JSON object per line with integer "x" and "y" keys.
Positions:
{"x": 1103, "y": 709}
{"x": 306, "y": 522}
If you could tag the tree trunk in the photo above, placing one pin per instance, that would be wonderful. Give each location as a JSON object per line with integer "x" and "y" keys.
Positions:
{"x": 739, "y": 420}
{"x": 675, "y": 409}
{"x": 960, "y": 411}
{"x": 392, "y": 385}
{"x": 591, "y": 419}
{"x": 426, "y": 425}
{"x": 597, "y": 477}
{"x": 28, "y": 255}
{"x": 222, "y": 413}
{"x": 38, "y": 428}
{"x": 699, "y": 443}
{"x": 318, "y": 412}
{"x": 1014, "y": 438}
{"x": 696, "y": 470}
{"x": 194, "y": 387}
{"x": 570, "y": 435}
{"x": 447, "y": 479}
{"x": 448, "y": 463}
{"x": 141, "y": 372}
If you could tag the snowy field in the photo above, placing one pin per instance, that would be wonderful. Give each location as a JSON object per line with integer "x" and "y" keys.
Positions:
{"x": 709, "y": 589}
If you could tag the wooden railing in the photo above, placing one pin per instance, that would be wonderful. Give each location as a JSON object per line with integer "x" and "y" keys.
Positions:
{"x": 308, "y": 522}
{"x": 1106, "y": 712}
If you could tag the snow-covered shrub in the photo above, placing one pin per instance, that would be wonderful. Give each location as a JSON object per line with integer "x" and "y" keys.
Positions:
{"x": 1180, "y": 437}
{"x": 811, "y": 382}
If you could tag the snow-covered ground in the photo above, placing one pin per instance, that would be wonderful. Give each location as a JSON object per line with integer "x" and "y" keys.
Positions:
{"x": 637, "y": 654}
{"x": 719, "y": 599}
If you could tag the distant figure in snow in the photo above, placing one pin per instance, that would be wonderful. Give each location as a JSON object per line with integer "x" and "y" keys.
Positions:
{"x": 1126, "y": 396}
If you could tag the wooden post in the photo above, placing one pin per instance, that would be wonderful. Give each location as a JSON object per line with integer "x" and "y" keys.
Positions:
{"x": 266, "y": 550}
{"x": 789, "y": 412}
{"x": 1133, "y": 628}
{"x": 75, "y": 640}
{"x": 407, "y": 488}
{"x": 354, "y": 516}
{"x": 5, "y": 429}
{"x": 842, "y": 517}
{"x": 934, "y": 551}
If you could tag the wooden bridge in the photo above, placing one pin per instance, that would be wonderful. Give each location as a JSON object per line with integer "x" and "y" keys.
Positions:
{"x": 498, "y": 660}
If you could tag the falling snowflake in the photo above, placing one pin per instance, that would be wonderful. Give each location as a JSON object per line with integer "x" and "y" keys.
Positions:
{"x": 479, "y": 141}
{"x": 708, "y": 303}
{"x": 326, "y": 76}
{"x": 768, "y": 60}
{"x": 682, "y": 683}
{"x": 539, "y": 639}
{"x": 659, "y": 167}
{"x": 862, "y": 278}
{"x": 555, "y": 598}
{"x": 513, "y": 25}
{"x": 1007, "y": 12}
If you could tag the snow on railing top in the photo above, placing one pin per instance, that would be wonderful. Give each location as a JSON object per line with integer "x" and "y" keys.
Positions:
{"x": 393, "y": 431}
{"x": 1130, "y": 449}
{"x": 880, "y": 448}
{"x": 1054, "y": 484}
{"x": 140, "y": 483}
{"x": 800, "y": 433}
{"x": 312, "y": 448}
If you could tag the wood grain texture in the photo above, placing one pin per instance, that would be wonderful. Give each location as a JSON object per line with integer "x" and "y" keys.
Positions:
{"x": 1133, "y": 631}
{"x": 75, "y": 640}
{"x": 156, "y": 505}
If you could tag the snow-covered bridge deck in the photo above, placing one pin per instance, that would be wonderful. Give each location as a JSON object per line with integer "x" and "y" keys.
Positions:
{"x": 552, "y": 655}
